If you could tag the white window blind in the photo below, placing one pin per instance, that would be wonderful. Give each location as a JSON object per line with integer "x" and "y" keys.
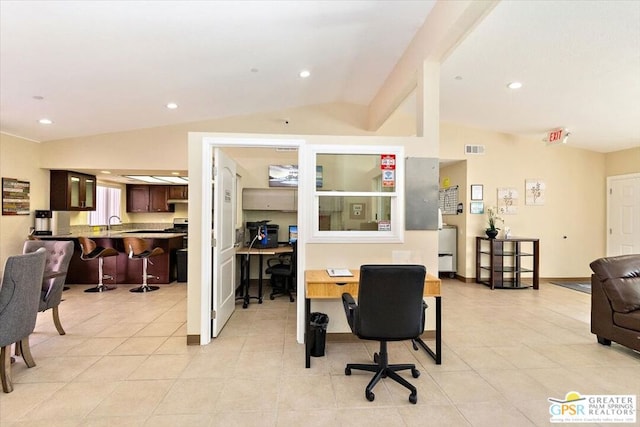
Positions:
{"x": 107, "y": 204}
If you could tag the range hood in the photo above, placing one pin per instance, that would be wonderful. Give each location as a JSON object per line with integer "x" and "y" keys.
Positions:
{"x": 174, "y": 201}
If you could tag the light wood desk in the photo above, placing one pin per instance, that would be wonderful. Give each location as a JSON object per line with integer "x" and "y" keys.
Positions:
{"x": 245, "y": 269}
{"x": 319, "y": 285}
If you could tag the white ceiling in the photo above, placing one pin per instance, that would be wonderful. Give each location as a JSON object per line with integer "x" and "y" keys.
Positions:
{"x": 108, "y": 66}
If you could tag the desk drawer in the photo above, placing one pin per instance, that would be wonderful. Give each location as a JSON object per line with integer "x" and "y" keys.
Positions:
{"x": 330, "y": 290}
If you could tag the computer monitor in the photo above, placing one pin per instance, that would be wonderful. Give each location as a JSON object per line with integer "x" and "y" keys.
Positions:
{"x": 293, "y": 233}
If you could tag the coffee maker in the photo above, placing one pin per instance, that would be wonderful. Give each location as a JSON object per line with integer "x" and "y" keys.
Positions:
{"x": 43, "y": 223}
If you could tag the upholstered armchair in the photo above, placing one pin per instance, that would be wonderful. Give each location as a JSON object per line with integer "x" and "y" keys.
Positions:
{"x": 58, "y": 256}
{"x": 19, "y": 296}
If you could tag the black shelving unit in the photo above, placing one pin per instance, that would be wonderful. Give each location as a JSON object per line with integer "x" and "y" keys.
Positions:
{"x": 501, "y": 263}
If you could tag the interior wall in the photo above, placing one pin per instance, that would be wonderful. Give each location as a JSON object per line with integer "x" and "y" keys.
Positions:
{"x": 575, "y": 202}
{"x": 18, "y": 160}
{"x": 623, "y": 162}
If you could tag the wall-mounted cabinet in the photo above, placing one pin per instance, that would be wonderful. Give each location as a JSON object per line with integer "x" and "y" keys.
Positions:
{"x": 148, "y": 198}
{"x": 270, "y": 199}
{"x": 178, "y": 192}
{"x": 72, "y": 191}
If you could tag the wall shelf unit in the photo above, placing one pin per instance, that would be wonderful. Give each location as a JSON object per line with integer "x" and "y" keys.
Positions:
{"x": 501, "y": 263}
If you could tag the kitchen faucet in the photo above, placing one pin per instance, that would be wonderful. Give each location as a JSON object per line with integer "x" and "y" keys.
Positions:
{"x": 109, "y": 221}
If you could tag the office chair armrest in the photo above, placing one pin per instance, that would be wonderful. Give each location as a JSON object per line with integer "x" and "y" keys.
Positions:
{"x": 350, "y": 307}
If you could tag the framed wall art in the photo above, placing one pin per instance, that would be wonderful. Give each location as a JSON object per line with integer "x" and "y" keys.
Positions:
{"x": 15, "y": 197}
{"x": 534, "y": 192}
{"x": 476, "y": 192}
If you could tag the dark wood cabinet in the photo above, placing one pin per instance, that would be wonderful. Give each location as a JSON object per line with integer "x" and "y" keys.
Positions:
{"x": 178, "y": 192}
{"x": 158, "y": 196}
{"x": 72, "y": 191}
{"x": 148, "y": 198}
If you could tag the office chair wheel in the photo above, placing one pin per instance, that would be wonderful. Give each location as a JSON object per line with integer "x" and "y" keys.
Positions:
{"x": 271, "y": 297}
{"x": 375, "y": 357}
{"x": 370, "y": 396}
{"x": 415, "y": 373}
{"x": 413, "y": 398}
{"x": 415, "y": 346}
{"x": 347, "y": 371}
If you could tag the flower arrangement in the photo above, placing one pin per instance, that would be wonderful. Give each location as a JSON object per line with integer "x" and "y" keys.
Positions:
{"x": 492, "y": 214}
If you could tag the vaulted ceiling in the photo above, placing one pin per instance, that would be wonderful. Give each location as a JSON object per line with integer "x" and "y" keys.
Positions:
{"x": 96, "y": 67}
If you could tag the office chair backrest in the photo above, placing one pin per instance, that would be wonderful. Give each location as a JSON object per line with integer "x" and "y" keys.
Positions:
{"x": 390, "y": 302}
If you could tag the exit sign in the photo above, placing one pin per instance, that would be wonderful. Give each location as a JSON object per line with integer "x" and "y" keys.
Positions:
{"x": 555, "y": 136}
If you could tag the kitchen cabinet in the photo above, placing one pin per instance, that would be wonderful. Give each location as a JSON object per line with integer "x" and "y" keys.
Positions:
{"x": 148, "y": 198}
{"x": 178, "y": 192}
{"x": 72, "y": 191}
{"x": 270, "y": 199}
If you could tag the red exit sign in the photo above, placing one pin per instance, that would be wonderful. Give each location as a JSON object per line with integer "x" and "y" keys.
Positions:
{"x": 555, "y": 135}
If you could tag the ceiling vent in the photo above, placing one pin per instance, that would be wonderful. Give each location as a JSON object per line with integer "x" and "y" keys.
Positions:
{"x": 474, "y": 149}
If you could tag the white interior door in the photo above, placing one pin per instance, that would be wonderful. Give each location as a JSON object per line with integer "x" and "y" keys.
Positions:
{"x": 224, "y": 251}
{"x": 623, "y": 215}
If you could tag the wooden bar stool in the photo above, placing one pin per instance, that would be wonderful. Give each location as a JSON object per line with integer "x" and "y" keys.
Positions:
{"x": 91, "y": 251}
{"x": 138, "y": 249}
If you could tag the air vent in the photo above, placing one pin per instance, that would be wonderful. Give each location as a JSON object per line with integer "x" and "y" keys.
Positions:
{"x": 474, "y": 149}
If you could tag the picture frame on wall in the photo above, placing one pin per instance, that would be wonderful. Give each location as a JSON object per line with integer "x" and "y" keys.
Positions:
{"x": 476, "y": 207}
{"x": 476, "y": 192}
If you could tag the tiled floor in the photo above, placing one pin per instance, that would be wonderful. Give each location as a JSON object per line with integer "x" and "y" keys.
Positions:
{"x": 124, "y": 362}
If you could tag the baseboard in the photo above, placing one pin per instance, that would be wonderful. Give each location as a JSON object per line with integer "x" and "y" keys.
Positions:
{"x": 566, "y": 279}
{"x": 193, "y": 339}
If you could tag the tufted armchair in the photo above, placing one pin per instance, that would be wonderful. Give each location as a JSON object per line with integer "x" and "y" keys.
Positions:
{"x": 58, "y": 256}
{"x": 19, "y": 295}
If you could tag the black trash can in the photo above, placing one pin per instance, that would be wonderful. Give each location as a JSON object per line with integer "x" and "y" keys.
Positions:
{"x": 318, "y": 336}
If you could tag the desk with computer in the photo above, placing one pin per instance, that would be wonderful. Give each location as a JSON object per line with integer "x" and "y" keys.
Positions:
{"x": 263, "y": 241}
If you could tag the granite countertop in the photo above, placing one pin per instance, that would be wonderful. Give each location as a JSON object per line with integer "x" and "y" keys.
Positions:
{"x": 117, "y": 234}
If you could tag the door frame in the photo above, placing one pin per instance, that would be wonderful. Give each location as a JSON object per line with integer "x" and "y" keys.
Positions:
{"x": 199, "y": 290}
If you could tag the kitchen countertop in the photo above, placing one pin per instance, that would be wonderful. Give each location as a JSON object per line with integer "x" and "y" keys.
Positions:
{"x": 118, "y": 235}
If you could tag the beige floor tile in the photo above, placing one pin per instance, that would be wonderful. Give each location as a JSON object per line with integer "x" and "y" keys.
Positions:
{"x": 233, "y": 418}
{"x": 133, "y": 398}
{"x": 111, "y": 368}
{"x": 308, "y": 418}
{"x": 491, "y": 414}
{"x": 160, "y": 366}
{"x": 139, "y": 345}
{"x": 191, "y": 396}
{"x": 124, "y": 362}
{"x": 306, "y": 392}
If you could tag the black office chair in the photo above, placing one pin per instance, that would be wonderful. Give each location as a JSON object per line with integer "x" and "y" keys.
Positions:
{"x": 283, "y": 273}
{"x": 390, "y": 308}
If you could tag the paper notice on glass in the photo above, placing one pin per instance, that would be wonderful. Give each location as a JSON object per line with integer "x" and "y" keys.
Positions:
{"x": 339, "y": 272}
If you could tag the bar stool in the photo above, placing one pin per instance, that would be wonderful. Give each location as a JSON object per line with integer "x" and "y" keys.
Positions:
{"x": 138, "y": 249}
{"x": 91, "y": 251}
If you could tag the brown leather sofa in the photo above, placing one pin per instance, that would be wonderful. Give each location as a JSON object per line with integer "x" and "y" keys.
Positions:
{"x": 615, "y": 300}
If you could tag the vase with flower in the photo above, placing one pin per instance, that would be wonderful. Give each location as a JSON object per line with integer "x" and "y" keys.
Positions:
{"x": 492, "y": 230}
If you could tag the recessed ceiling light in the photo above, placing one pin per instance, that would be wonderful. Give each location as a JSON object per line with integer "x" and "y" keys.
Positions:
{"x": 45, "y": 121}
{"x": 254, "y": 70}
{"x": 458, "y": 77}
{"x": 172, "y": 105}
{"x": 38, "y": 97}
{"x": 514, "y": 85}
{"x": 106, "y": 172}
{"x": 304, "y": 74}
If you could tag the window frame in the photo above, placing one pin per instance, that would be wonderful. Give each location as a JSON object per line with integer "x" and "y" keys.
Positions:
{"x": 106, "y": 211}
{"x": 396, "y": 197}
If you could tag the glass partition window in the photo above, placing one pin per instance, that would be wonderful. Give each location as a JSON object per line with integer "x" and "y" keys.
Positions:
{"x": 357, "y": 194}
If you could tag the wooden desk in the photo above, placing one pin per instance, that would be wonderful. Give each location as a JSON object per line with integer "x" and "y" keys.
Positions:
{"x": 319, "y": 285}
{"x": 245, "y": 269}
